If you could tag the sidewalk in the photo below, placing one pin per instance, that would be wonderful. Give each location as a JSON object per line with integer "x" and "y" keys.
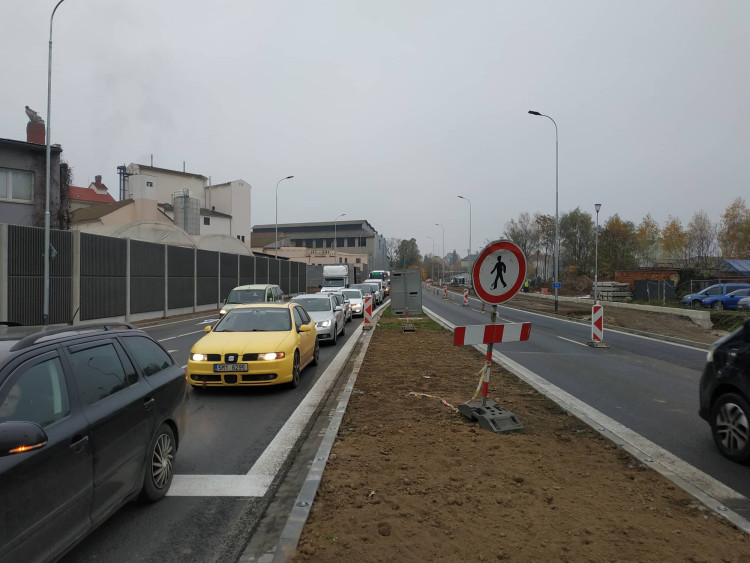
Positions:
{"x": 409, "y": 479}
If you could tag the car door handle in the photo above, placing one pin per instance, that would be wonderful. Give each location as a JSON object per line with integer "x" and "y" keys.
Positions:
{"x": 78, "y": 443}
{"x": 148, "y": 402}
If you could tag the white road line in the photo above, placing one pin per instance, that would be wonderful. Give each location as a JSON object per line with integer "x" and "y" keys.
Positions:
{"x": 256, "y": 482}
{"x": 573, "y": 341}
{"x": 180, "y": 335}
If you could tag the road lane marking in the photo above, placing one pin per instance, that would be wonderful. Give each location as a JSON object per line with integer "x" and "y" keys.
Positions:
{"x": 180, "y": 335}
{"x": 573, "y": 341}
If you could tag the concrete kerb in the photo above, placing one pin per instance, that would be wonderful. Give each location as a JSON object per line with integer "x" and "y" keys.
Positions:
{"x": 290, "y": 535}
{"x": 701, "y": 486}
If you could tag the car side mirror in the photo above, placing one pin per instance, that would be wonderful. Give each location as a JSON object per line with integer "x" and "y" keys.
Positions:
{"x": 207, "y": 329}
{"x": 305, "y": 328}
{"x": 18, "y": 437}
{"x": 337, "y": 308}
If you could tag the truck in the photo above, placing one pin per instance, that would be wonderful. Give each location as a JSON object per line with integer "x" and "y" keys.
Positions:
{"x": 385, "y": 277}
{"x": 335, "y": 277}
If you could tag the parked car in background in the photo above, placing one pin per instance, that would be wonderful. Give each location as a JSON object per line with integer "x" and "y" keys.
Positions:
{"x": 719, "y": 289}
{"x": 356, "y": 300}
{"x": 728, "y": 301}
{"x": 91, "y": 417}
{"x": 327, "y": 314}
{"x": 368, "y": 290}
{"x": 342, "y": 300}
{"x": 743, "y": 304}
{"x": 254, "y": 293}
{"x": 725, "y": 394}
{"x": 255, "y": 345}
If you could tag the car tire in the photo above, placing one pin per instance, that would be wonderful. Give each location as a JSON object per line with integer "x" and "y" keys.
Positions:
{"x": 695, "y": 303}
{"x": 730, "y": 416}
{"x": 343, "y": 328}
{"x": 159, "y": 469}
{"x": 294, "y": 383}
{"x": 316, "y": 353}
{"x": 335, "y": 335}
{"x": 716, "y": 305}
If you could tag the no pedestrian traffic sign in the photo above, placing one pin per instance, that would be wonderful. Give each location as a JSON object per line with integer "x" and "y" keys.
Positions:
{"x": 498, "y": 272}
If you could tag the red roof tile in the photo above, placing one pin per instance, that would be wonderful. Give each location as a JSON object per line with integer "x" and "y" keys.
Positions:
{"x": 86, "y": 194}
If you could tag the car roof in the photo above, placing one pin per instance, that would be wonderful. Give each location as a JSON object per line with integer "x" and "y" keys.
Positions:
{"x": 265, "y": 305}
{"x": 14, "y": 339}
{"x": 255, "y": 286}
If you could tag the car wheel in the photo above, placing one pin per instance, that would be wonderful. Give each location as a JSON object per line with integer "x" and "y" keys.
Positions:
{"x": 159, "y": 464}
{"x": 716, "y": 305}
{"x": 730, "y": 427}
{"x": 316, "y": 353}
{"x": 295, "y": 371}
{"x": 695, "y": 303}
{"x": 335, "y": 335}
{"x": 343, "y": 328}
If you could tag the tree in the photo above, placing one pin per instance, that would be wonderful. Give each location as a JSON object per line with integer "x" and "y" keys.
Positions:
{"x": 674, "y": 242}
{"x": 545, "y": 228}
{"x": 577, "y": 239}
{"x": 646, "y": 241}
{"x": 734, "y": 232}
{"x": 617, "y": 247}
{"x": 522, "y": 233}
{"x": 391, "y": 249}
{"x": 407, "y": 254}
{"x": 701, "y": 240}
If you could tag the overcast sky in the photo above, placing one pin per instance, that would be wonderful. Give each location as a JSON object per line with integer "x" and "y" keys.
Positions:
{"x": 388, "y": 110}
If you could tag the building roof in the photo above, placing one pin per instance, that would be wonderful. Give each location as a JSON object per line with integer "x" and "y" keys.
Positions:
{"x": 143, "y": 167}
{"x": 739, "y": 266}
{"x": 77, "y": 193}
{"x": 97, "y": 211}
{"x": 56, "y": 148}
{"x": 300, "y": 228}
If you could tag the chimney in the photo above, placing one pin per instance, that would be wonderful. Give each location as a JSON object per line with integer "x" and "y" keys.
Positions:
{"x": 98, "y": 180}
{"x": 35, "y": 133}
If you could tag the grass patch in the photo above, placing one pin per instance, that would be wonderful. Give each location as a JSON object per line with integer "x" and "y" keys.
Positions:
{"x": 388, "y": 321}
{"x": 727, "y": 320}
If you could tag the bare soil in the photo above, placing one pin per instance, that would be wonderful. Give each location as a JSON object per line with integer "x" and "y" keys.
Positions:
{"x": 410, "y": 479}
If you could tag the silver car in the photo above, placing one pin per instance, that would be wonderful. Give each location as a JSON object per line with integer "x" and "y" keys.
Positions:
{"x": 743, "y": 304}
{"x": 356, "y": 300}
{"x": 327, "y": 314}
{"x": 368, "y": 290}
{"x": 343, "y": 300}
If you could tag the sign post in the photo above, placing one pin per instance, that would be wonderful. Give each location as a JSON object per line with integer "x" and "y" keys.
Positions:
{"x": 497, "y": 275}
{"x": 597, "y": 327}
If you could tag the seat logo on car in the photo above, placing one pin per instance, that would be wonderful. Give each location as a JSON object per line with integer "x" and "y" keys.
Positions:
{"x": 231, "y": 358}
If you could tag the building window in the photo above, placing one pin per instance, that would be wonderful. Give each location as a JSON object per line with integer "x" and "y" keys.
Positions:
{"x": 362, "y": 241}
{"x": 319, "y": 243}
{"x": 243, "y": 238}
{"x": 16, "y": 184}
{"x": 350, "y": 242}
{"x": 359, "y": 260}
{"x": 150, "y": 184}
{"x": 309, "y": 243}
{"x": 207, "y": 220}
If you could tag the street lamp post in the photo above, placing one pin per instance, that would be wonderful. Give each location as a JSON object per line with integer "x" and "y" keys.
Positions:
{"x": 45, "y": 310}
{"x": 432, "y": 269}
{"x": 276, "y": 243}
{"x": 335, "y": 240}
{"x": 557, "y": 221}
{"x": 597, "y": 206}
{"x": 468, "y": 257}
{"x": 442, "y": 251}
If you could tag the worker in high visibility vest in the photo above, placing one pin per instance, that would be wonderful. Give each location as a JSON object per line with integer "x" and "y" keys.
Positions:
{"x": 526, "y": 286}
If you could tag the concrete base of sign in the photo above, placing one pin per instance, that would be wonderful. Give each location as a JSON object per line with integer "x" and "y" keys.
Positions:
{"x": 491, "y": 417}
{"x": 598, "y": 344}
{"x": 366, "y": 327}
{"x": 408, "y": 328}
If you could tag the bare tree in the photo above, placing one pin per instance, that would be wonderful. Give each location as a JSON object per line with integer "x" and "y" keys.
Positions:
{"x": 392, "y": 245}
{"x": 734, "y": 233}
{"x": 701, "y": 240}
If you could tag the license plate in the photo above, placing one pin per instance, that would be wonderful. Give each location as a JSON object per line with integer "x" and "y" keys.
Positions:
{"x": 230, "y": 367}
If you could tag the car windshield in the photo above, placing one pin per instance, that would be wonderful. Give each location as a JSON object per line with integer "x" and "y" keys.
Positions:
{"x": 238, "y": 296}
{"x": 353, "y": 294}
{"x": 257, "y": 319}
{"x": 363, "y": 288}
{"x": 333, "y": 283}
{"x": 313, "y": 303}
{"x": 739, "y": 293}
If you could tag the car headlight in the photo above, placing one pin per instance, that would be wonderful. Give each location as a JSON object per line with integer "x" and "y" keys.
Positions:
{"x": 223, "y": 312}
{"x": 323, "y": 324}
{"x": 198, "y": 357}
{"x": 272, "y": 356}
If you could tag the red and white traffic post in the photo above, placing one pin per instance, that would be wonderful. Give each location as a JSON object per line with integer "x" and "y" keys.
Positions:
{"x": 368, "y": 314}
{"x": 597, "y": 327}
{"x": 466, "y": 297}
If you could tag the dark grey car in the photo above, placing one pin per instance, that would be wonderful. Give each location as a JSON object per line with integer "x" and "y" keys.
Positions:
{"x": 90, "y": 418}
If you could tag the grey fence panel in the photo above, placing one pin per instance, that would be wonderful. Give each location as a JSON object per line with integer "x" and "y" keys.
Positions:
{"x": 261, "y": 269}
{"x": 26, "y": 276}
{"x": 228, "y": 270}
{"x": 146, "y": 276}
{"x": 180, "y": 268}
{"x": 103, "y": 276}
{"x": 284, "y": 281}
{"x": 273, "y": 271}
{"x": 247, "y": 270}
{"x": 207, "y": 277}
{"x": 654, "y": 291}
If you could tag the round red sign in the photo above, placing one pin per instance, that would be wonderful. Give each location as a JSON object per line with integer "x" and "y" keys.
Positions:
{"x": 498, "y": 272}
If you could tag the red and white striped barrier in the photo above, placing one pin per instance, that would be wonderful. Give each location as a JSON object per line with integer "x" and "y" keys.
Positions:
{"x": 368, "y": 310}
{"x": 445, "y": 292}
{"x": 466, "y": 297}
{"x": 487, "y": 334}
{"x": 597, "y": 324}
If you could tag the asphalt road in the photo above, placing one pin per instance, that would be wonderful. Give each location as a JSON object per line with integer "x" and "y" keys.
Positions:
{"x": 223, "y": 481}
{"x": 648, "y": 385}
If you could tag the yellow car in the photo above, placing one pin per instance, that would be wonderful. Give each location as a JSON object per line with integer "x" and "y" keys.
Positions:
{"x": 258, "y": 344}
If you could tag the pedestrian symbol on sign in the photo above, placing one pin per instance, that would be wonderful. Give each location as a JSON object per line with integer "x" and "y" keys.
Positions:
{"x": 500, "y": 267}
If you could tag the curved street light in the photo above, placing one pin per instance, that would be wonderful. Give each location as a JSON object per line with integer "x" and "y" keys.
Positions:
{"x": 45, "y": 309}
{"x": 276, "y": 242}
{"x": 335, "y": 240}
{"x": 468, "y": 256}
{"x": 597, "y": 206}
{"x": 557, "y": 221}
